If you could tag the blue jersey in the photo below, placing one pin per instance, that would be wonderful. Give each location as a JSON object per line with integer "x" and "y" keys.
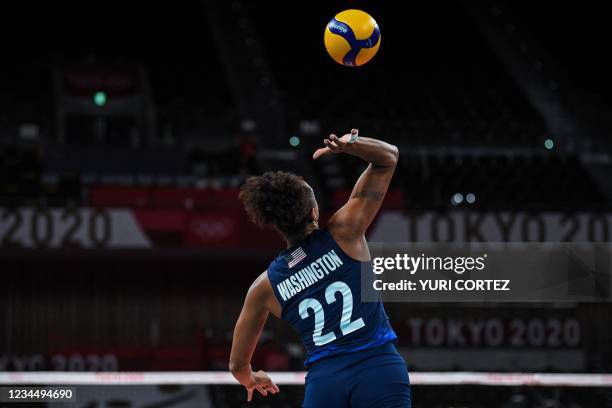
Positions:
{"x": 319, "y": 290}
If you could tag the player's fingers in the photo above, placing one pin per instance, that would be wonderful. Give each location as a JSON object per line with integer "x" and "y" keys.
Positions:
{"x": 332, "y": 142}
{"x": 335, "y": 139}
{"x": 270, "y": 386}
{"x": 273, "y": 388}
{"x": 333, "y": 146}
{"x": 320, "y": 152}
{"x": 354, "y": 131}
{"x": 262, "y": 390}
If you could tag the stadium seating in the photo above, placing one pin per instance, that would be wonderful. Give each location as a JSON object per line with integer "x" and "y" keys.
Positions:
{"x": 475, "y": 103}
{"x": 423, "y": 180}
{"x": 429, "y": 181}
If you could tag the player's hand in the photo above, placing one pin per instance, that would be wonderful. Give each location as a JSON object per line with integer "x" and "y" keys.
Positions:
{"x": 334, "y": 144}
{"x": 261, "y": 382}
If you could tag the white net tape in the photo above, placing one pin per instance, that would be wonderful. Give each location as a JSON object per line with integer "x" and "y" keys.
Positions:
{"x": 297, "y": 378}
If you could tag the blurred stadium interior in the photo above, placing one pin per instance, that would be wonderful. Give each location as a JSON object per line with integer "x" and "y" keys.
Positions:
{"x": 126, "y": 131}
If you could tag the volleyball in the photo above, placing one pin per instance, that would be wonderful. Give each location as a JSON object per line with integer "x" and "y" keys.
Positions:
{"x": 352, "y": 38}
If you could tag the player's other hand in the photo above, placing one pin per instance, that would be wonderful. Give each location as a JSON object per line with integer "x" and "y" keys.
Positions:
{"x": 261, "y": 382}
{"x": 334, "y": 144}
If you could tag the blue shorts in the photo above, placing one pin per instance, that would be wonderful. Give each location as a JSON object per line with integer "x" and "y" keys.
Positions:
{"x": 373, "y": 378}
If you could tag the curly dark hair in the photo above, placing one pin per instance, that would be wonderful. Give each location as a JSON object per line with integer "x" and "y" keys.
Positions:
{"x": 280, "y": 199}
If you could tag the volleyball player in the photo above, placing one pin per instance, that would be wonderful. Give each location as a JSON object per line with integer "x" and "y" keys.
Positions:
{"x": 314, "y": 284}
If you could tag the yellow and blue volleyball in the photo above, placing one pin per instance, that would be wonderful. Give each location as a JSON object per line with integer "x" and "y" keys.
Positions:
{"x": 352, "y": 38}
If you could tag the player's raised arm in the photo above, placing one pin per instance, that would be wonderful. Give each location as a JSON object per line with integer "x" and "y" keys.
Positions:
{"x": 351, "y": 221}
{"x": 246, "y": 334}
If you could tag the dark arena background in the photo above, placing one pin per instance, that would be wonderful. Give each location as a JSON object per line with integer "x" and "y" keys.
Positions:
{"x": 126, "y": 129}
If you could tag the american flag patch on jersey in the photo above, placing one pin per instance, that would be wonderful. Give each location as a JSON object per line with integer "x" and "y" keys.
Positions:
{"x": 295, "y": 257}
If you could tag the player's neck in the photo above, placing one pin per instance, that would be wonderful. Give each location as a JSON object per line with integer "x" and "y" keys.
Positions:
{"x": 293, "y": 241}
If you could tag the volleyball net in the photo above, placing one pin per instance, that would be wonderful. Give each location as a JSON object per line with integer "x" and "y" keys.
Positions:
{"x": 216, "y": 389}
{"x": 297, "y": 378}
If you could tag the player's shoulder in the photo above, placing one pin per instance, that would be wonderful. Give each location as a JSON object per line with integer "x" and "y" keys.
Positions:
{"x": 260, "y": 289}
{"x": 340, "y": 227}
{"x": 353, "y": 245}
{"x": 262, "y": 293}
{"x": 260, "y": 282}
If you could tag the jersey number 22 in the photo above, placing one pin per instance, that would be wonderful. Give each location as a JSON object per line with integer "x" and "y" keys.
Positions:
{"x": 346, "y": 325}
